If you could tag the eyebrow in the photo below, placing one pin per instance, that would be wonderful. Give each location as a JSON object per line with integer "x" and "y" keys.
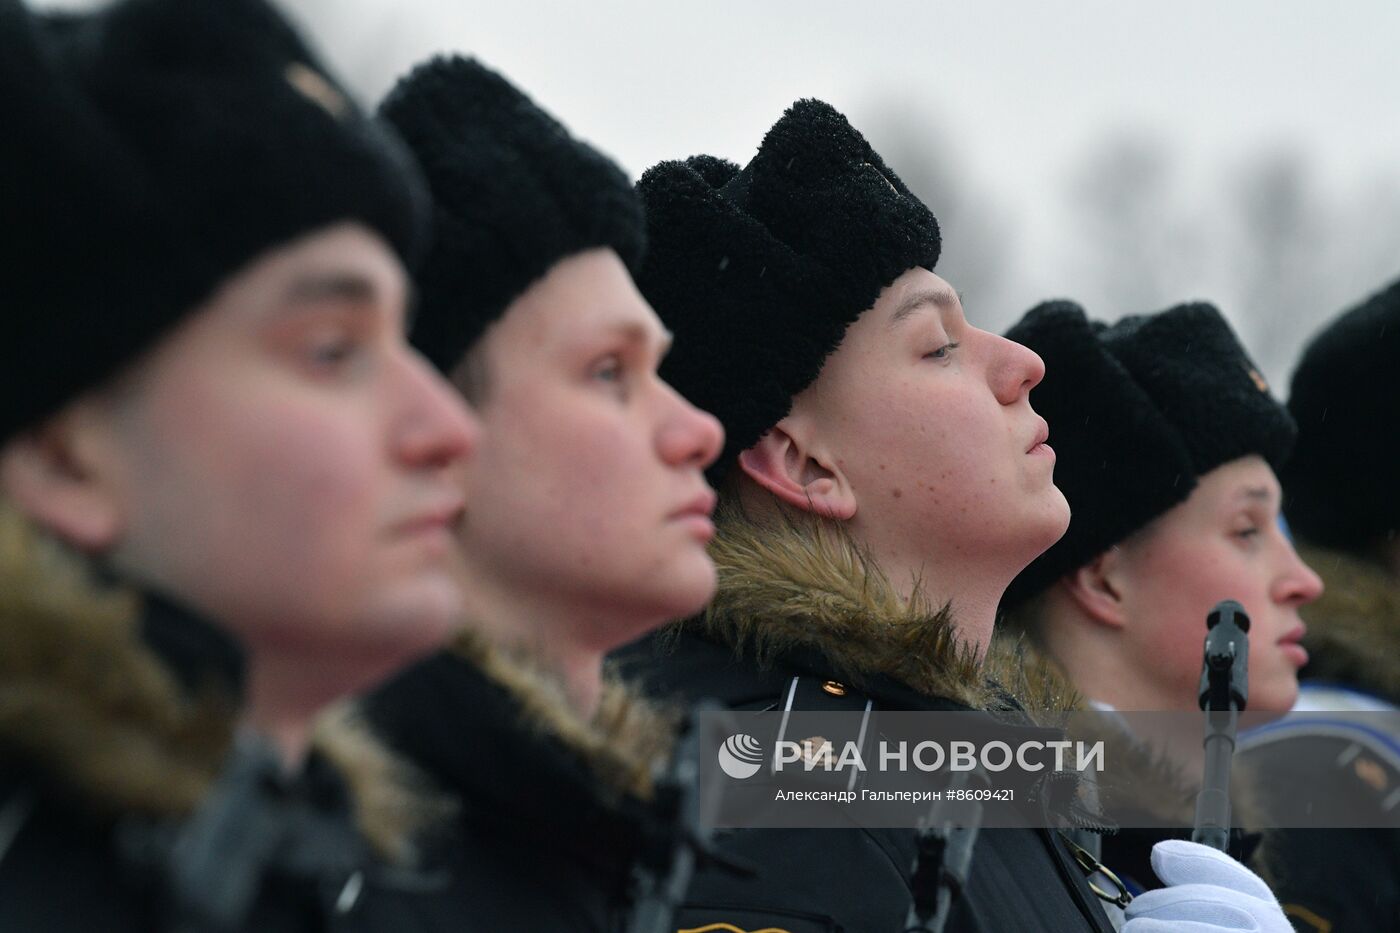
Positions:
{"x": 942, "y": 298}
{"x": 1256, "y": 493}
{"x": 348, "y": 287}
{"x": 639, "y": 333}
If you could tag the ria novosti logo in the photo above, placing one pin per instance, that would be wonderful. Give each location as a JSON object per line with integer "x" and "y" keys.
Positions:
{"x": 740, "y": 756}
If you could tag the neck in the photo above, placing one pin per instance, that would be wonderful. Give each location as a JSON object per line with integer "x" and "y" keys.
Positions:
{"x": 1100, "y": 663}
{"x": 287, "y": 691}
{"x": 973, "y": 599}
{"x": 553, "y": 632}
{"x": 971, "y": 587}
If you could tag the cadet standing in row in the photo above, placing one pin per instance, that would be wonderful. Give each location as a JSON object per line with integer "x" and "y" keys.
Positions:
{"x": 225, "y": 494}
{"x": 1343, "y": 504}
{"x": 587, "y": 527}
{"x": 885, "y": 478}
{"x": 1168, "y": 444}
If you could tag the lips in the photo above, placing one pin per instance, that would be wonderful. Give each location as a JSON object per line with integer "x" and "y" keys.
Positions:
{"x": 1042, "y": 434}
{"x": 443, "y": 515}
{"x": 695, "y": 516}
{"x": 702, "y": 506}
{"x": 1291, "y": 648}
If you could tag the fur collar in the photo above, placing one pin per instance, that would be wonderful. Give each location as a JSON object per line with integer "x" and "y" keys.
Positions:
{"x": 442, "y": 715}
{"x": 83, "y": 702}
{"x": 626, "y": 740}
{"x": 1354, "y": 627}
{"x": 795, "y": 582}
{"x": 1142, "y": 778}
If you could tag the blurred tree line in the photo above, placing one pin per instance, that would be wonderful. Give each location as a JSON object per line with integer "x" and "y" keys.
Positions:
{"x": 1279, "y": 252}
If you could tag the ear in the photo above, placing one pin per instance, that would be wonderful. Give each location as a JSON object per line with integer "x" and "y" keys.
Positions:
{"x": 788, "y": 469}
{"x": 45, "y": 477}
{"x": 1097, "y": 588}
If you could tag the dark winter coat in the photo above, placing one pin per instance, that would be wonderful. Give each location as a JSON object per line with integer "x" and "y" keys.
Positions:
{"x": 555, "y": 815}
{"x": 1341, "y": 880}
{"x": 116, "y": 723}
{"x": 803, "y": 616}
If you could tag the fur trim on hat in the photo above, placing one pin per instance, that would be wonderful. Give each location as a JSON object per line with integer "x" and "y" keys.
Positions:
{"x": 1339, "y": 486}
{"x": 513, "y": 194}
{"x": 759, "y": 271}
{"x": 1138, "y": 412}
{"x": 153, "y": 149}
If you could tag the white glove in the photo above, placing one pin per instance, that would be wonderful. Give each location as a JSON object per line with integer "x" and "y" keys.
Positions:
{"x": 1207, "y": 892}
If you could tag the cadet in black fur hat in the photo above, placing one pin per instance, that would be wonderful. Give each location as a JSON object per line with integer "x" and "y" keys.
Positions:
{"x": 224, "y": 485}
{"x": 513, "y": 195}
{"x": 1341, "y": 499}
{"x": 884, "y": 479}
{"x": 1339, "y": 484}
{"x": 132, "y": 217}
{"x": 759, "y": 271}
{"x": 1141, "y": 410}
{"x": 1167, "y": 441}
{"x": 589, "y": 517}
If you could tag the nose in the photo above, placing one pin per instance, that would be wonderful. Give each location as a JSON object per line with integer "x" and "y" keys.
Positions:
{"x": 1298, "y": 585}
{"x": 1017, "y": 369}
{"x": 687, "y": 435}
{"x": 433, "y": 425}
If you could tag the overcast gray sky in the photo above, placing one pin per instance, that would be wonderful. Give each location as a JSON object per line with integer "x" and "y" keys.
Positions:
{"x": 1015, "y": 101}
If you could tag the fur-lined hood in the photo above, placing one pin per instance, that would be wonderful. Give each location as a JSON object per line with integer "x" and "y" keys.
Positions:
{"x": 1354, "y": 628}
{"x": 83, "y": 702}
{"x": 796, "y": 583}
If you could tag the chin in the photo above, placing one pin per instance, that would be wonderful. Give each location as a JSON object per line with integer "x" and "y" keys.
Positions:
{"x": 1277, "y": 700}
{"x": 1049, "y": 522}
{"x": 416, "y": 618}
{"x": 700, "y": 584}
{"x": 688, "y": 589}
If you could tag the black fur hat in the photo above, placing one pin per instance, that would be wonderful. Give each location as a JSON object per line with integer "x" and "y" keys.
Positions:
{"x": 1138, "y": 411}
{"x": 151, "y": 150}
{"x": 759, "y": 271}
{"x": 1340, "y": 486}
{"x": 513, "y": 194}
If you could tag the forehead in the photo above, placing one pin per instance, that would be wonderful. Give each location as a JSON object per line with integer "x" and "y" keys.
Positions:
{"x": 1244, "y": 485}
{"x": 581, "y": 300}
{"x": 1241, "y": 485}
{"x": 918, "y": 291}
{"x": 343, "y": 264}
{"x": 1246, "y": 480}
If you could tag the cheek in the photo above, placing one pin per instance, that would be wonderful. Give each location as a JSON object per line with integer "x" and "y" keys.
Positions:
{"x": 571, "y": 466}
{"x": 284, "y": 471}
{"x": 940, "y": 446}
{"x": 1201, "y": 574}
{"x": 1179, "y": 588}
